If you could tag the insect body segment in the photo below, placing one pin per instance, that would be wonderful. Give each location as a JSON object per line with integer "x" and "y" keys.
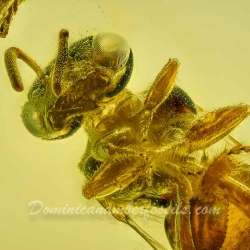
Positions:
{"x": 150, "y": 151}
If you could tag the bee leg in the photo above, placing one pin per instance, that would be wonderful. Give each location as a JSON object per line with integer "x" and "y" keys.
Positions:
{"x": 116, "y": 173}
{"x": 214, "y": 126}
{"x": 113, "y": 143}
{"x": 162, "y": 86}
{"x": 10, "y": 57}
{"x": 120, "y": 166}
{"x": 225, "y": 174}
{"x": 61, "y": 61}
{"x": 178, "y": 226}
{"x": 177, "y": 221}
{"x": 160, "y": 90}
{"x": 119, "y": 214}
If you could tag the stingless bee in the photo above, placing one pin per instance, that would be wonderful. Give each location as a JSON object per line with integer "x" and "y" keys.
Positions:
{"x": 151, "y": 150}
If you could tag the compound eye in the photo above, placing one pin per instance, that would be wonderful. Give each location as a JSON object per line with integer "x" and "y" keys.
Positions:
{"x": 32, "y": 120}
{"x": 110, "y": 50}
